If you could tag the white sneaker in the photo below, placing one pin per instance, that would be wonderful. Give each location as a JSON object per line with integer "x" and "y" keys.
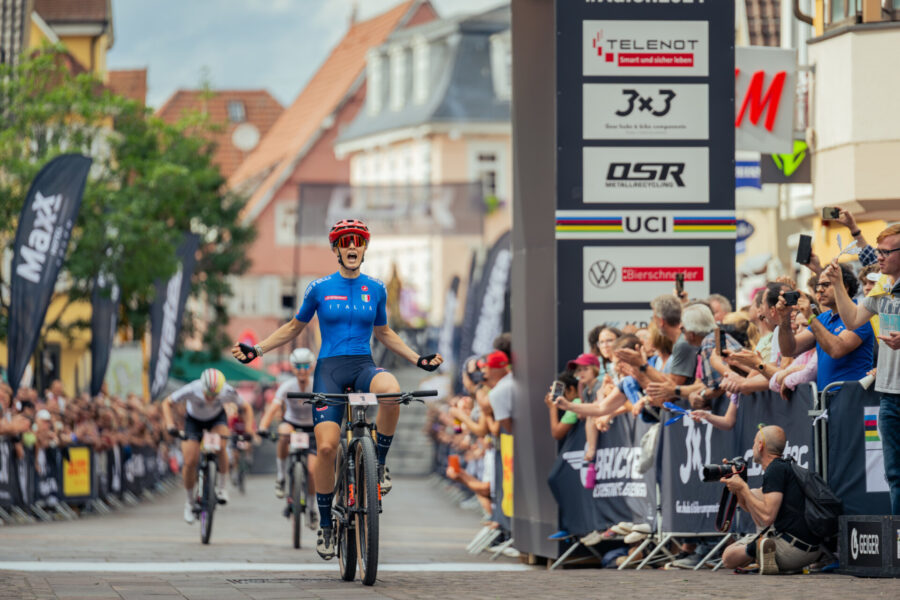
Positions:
{"x": 222, "y": 496}
{"x": 188, "y": 513}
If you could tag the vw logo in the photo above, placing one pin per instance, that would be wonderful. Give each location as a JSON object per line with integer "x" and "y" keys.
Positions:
{"x": 602, "y": 274}
{"x": 854, "y": 544}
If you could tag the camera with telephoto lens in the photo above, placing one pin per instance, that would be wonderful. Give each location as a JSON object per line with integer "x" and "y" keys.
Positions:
{"x": 713, "y": 473}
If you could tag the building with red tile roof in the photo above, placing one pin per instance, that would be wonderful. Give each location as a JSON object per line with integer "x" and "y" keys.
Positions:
{"x": 299, "y": 151}
{"x": 243, "y": 117}
{"x": 131, "y": 83}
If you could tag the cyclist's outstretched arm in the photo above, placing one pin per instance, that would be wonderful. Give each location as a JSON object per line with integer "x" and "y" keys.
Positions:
{"x": 167, "y": 412}
{"x": 395, "y": 343}
{"x": 282, "y": 335}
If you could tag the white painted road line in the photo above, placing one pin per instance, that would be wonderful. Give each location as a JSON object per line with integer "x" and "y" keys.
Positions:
{"x": 205, "y": 567}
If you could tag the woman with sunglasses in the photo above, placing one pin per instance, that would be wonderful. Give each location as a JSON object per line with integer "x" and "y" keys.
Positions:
{"x": 351, "y": 307}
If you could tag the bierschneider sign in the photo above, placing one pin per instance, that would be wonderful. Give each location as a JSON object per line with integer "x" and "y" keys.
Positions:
{"x": 645, "y": 158}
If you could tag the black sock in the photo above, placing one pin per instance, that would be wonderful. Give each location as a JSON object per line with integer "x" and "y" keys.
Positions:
{"x": 324, "y": 502}
{"x": 382, "y": 445}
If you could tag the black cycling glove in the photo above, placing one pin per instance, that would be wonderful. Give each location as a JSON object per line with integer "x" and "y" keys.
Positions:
{"x": 424, "y": 362}
{"x": 249, "y": 352}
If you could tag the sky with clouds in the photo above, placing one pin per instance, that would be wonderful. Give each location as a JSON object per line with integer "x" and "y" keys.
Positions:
{"x": 271, "y": 44}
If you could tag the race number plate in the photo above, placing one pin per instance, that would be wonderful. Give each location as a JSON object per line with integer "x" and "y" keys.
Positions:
{"x": 362, "y": 399}
{"x": 212, "y": 442}
{"x": 299, "y": 440}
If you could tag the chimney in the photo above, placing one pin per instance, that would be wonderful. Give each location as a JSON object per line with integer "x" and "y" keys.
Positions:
{"x": 354, "y": 10}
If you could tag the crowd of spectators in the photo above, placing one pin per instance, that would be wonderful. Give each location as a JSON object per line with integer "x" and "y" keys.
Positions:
{"x": 695, "y": 350}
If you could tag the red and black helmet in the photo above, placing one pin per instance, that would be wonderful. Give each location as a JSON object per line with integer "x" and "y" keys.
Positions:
{"x": 345, "y": 226}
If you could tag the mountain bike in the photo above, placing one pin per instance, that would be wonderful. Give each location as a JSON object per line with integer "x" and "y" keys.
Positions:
{"x": 357, "y": 491}
{"x": 299, "y": 501}
{"x": 207, "y": 472}
{"x": 241, "y": 466}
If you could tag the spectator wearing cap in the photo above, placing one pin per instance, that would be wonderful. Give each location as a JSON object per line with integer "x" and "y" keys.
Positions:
{"x": 843, "y": 354}
{"x": 498, "y": 377}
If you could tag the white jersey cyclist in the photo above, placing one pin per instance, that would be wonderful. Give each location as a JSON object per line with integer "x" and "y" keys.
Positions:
{"x": 197, "y": 406}
{"x": 296, "y": 411}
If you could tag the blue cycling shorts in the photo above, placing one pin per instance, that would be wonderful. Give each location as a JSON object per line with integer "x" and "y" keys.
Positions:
{"x": 334, "y": 375}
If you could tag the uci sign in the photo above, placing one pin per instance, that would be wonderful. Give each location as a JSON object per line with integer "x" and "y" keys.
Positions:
{"x": 765, "y": 80}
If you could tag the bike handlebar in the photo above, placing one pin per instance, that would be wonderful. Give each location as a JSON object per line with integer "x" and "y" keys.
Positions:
{"x": 322, "y": 398}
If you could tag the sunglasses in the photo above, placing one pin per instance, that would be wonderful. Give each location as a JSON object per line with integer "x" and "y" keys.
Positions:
{"x": 345, "y": 240}
{"x": 302, "y": 366}
{"x": 885, "y": 252}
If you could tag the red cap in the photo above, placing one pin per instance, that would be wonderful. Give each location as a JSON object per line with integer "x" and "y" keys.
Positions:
{"x": 586, "y": 359}
{"x": 497, "y": 360}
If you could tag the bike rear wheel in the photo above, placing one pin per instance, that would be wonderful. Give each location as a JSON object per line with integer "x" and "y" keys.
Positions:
{"x": 208, "y": 500}
{"x": 367, "y": 515}
{"x": 298, "y": 493}
{"x": 343, "y": 524}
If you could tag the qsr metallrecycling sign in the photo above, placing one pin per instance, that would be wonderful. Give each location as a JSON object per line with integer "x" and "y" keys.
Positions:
{"x": 645, "y": 159}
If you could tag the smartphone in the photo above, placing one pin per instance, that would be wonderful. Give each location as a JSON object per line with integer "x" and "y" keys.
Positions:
{"x": 679, "y": 283}
{"x": 791, "y": 298}
{"x": 720, "y": 341}
{"x": 804, "y": 250}
{"x": 829, "y": 213}
{"x": 557, "y": 389}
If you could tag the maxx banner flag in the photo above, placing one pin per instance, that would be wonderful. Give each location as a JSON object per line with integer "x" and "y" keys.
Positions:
{"x": 42, "y": 238}
{"x": 166, "y": 312}
{"x": 104, "y": 315}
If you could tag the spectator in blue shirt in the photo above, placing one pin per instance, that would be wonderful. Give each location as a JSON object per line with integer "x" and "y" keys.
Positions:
{"x": 843, "y": 354}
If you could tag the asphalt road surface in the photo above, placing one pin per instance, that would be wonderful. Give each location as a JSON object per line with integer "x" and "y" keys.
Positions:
{"x": 147, "y": 551}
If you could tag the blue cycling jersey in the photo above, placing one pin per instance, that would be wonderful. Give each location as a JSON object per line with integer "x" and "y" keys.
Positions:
{"x": 348, "y": 309}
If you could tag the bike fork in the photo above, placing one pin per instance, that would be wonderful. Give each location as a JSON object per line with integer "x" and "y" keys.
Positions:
{"x": 351, "y": 478}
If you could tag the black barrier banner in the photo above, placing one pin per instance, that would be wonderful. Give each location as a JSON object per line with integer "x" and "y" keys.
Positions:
{"x": 114, "y": 468}
{"x": 166, "y": 312}
{"x": 620, "y": 492}
{"x": 102, "y": 470}
{"x": 134, "y": 472}
{"x": 104, "y": 315}
{"x": 151, "y": 467}
{"x": 768, "y": 408}
{"x": 47, "y": 488}
{"x": 855, "y": 455}
{"x": 491, "y": 300}
{"x": 576, "y": 504}
{"x": 42, "y": 237}
{"x": 8, "y": 492}
{"x": 688, "y": 504}
{"x": 25, "y": 478}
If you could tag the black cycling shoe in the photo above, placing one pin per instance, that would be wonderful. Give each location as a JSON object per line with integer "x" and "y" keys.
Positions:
{"x": 325, "y": 543}
{"x": 287, "y": 511}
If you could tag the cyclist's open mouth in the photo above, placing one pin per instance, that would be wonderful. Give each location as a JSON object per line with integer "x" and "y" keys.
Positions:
{"x": 352, "y": 255}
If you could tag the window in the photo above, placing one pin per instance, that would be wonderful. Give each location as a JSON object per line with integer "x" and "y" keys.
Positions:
{"x": 399, "y": 77}
{"x": 286, "y": 223}
{"x": 236, "y": 112}
{"x": 421, "y": 74}
{"x": 374, "y": 82}
{"x": 487, "y": 166}
{"x": 501, "y": 65}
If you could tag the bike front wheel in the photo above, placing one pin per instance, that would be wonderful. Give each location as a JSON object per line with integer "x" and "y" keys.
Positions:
{"x": 343, "y": 523}
{"x": 367, "y": 513}
{"x": 208, "y": 500}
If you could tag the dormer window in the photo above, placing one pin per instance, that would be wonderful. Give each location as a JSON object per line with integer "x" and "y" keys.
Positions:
{"x": 399, "y": 77}
{"x": 374, "y": 82}
{"x": 421, "y": 74}
{"x": 501, "y": 65}
{"x": 236, "y": 111}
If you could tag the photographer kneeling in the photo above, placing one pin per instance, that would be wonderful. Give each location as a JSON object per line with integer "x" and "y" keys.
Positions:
{"x": 779, "y": 507}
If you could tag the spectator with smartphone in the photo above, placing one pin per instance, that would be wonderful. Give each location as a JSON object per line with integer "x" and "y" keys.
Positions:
{"x": 887, "y": 380}
{"x": 842, "y": 354}
{"x": 563, "y": 391}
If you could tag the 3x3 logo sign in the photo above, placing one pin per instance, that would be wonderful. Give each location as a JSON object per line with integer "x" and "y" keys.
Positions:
{"x": 646, "y": 103}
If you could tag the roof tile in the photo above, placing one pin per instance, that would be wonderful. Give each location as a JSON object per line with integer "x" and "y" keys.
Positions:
{"x": 79, "y": 11}
{"x": 260, "y": 108}
{"x": 129, "y": 83}
{"x": 321, "y": 96}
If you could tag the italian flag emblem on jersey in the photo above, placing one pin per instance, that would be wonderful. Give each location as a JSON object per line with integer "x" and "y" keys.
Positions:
{"x": 366, "y": 297}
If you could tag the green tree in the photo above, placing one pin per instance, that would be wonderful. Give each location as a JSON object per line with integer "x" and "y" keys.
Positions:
{"x": 150, "y": 182}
